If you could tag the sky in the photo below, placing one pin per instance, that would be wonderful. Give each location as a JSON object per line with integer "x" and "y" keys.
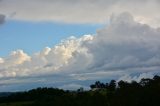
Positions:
{"x": 73, "y": 43}
{"x": 32, "y": 37}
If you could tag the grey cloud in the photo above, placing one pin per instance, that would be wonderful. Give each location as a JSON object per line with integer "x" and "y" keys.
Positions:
{"x": 2, "y": 19}
{"x": 124, "y": 45}
{"x": 81, "y": 11}
{"x": 74, "y": 86}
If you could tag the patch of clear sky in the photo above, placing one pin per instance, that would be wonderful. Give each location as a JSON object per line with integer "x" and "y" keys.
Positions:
{"x": 34, "y": 36}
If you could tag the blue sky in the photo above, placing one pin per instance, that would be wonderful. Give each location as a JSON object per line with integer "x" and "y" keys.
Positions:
{"x": 34, "y": 36}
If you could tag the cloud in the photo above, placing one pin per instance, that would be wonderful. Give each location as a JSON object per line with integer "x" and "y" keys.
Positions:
{"x": 73, "y": 86}
{"x": 80, "y": 11}
{"x": 125, "y": 44}
{"x": 124, "y": 47}
{"x": 130, "y": 78}
{"x": 2, "y": 19}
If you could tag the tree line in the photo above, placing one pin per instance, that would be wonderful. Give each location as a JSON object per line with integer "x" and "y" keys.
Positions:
{"x": 122, "y": 93}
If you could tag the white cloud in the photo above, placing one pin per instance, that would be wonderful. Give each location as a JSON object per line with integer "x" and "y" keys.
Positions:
{"x": 80, "y": 11}
{"x": 15, "y": 58}
{"x": 1, "y": 61}
{"x": 10, "y": 66}
{"x": 124, "y": 47}
{"x": 129, "y": 78}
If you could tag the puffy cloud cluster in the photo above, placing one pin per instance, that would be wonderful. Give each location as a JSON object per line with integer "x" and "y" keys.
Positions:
{"x": 124, "y": 47}
{"x": 80, "y": 11}
{"x": 125, "y": 44}
{"x": 9, "y": 66}
{"x": 47, "y": 61}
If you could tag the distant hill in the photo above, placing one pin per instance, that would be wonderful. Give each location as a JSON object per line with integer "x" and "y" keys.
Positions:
{"x": 5, "y": 94}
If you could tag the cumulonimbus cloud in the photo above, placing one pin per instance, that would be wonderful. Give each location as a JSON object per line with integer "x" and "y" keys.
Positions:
{"x": 124, "y": 47}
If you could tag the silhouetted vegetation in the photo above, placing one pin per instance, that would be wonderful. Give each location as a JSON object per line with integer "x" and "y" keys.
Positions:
{"x": 143, "y": 93}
